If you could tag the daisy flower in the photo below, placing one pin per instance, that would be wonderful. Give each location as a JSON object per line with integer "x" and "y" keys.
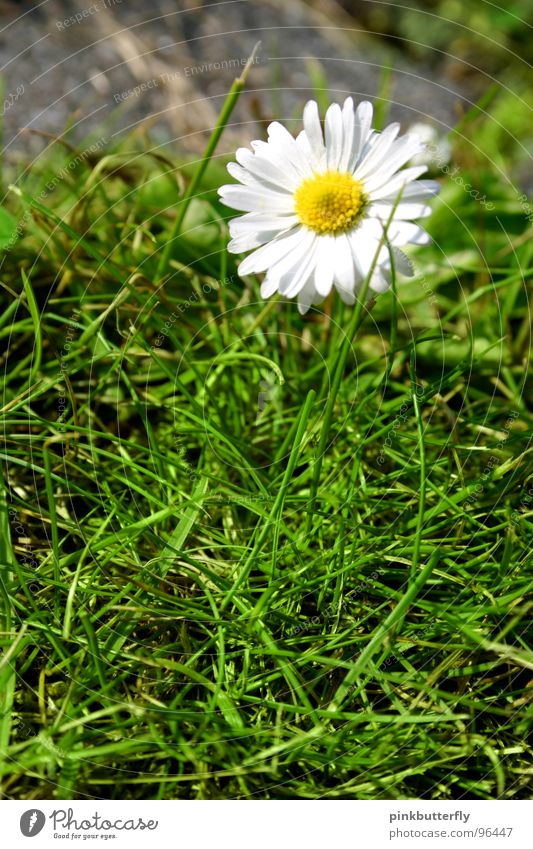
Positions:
{"x": 316, "y": 206}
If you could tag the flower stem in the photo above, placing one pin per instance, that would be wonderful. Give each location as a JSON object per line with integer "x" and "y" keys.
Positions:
{"x": 338, "y": 372}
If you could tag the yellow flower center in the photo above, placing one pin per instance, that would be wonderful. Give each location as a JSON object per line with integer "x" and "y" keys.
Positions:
{"x": 329, "y": 202}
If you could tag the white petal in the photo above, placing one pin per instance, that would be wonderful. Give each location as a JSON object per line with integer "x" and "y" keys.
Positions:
{"x": 365, "y": 248}
{"x": 271, "y": 253}
{"x": 268, "y": 287}
{"x": 348, "y": 126}
{"x": 241, "y": 174}
{"x": 402, "y": 263}
{"x": 277, "y": 155}
{"x": 371, "y": 140}
{"x": 333, "y": 125}
{"x": 380, "y": 280}
{"x": 249, "y": 241}
{"x": 400, "y": 153}
{"x": 287, "y": 266}
{"x": 290, "y": 285}
{"x": 404, "y": 233}
{"x": 253, "y": 234}
{"x": 263, "y": 170}
{"x": 254, "y": 222}
{"x": 250, "y": 199}
{"x": 282, "y": 140}
{"x": 346, "y": 296}
{"x": 344, "y": 265}
{"x": 324, "y": 270}
{"x": 392, "y": 186}
{"x": 313, "y": 131}
{"x": 362, "y": 131}
{"x": 254, "y": 181}
{"x": 404, "y": 211}
{"x": 307, "y": 297}
{"x": 398, "y": 232}
{"x": 303, "y": 143}
{"x": 421, "y": 190}
{"x": 369, "y": 255}
{"x": 378, "y": 152}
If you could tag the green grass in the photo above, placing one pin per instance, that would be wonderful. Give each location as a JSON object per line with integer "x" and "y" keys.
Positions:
{"x": 183, "y": 616}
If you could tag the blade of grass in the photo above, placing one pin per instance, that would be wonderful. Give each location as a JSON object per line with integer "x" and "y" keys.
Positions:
{"x": 225, "y": 113}
{"x": 36, "y": 321}
{"x": 391, "y": 622}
